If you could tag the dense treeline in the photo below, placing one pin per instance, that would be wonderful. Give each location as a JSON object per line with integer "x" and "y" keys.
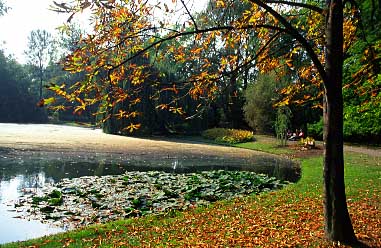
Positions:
{"x": 248, "y": 99}
{"x": 17, "y": 104}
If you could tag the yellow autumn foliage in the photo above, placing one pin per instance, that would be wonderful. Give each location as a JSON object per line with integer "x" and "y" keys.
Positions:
{"x": 230, "y": 136}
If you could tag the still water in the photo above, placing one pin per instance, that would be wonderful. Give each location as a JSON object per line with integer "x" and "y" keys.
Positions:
{"x": 24, "y": 170}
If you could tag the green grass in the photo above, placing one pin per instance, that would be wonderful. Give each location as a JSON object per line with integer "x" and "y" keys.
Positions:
{"x": 362, "y": 173}
{"x": 262, "y": 143}
{"x": 293, "y": 215}
{"x": 264, "y": 147}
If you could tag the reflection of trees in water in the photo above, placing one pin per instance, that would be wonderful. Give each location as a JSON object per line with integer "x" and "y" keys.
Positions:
{"x": 10, "y": 169}
{"x": 100, "y": 169}
{"x": 33, "y": 181}
{"x": 280, "y": 168}
{"x": 38, "y": 168}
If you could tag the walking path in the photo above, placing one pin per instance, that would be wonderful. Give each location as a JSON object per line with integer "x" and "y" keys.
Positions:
{"x": 368, "y": 150}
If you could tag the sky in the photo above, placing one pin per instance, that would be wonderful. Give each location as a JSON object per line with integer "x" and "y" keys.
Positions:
{"x": 27, "y": 15}
{"x": 23, "y": 17}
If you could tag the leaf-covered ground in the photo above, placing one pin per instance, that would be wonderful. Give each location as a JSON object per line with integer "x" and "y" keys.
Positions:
{"x": 292, "y": 217}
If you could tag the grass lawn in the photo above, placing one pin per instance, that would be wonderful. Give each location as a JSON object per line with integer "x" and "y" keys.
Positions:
{"x": 291, "y": 217}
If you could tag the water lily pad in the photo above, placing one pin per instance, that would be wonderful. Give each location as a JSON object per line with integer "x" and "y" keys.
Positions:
{"x": 87, "y": 200}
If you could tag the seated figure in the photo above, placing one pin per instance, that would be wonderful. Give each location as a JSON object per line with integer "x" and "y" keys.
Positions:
{"x": 297, "y": 135}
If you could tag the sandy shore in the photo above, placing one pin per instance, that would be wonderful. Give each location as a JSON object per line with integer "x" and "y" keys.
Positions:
{"x": 59, "y": 138}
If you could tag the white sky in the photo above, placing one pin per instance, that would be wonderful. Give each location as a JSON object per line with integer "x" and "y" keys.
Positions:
{"x": 23, "y": 17}
{"x": 27, "y": 15}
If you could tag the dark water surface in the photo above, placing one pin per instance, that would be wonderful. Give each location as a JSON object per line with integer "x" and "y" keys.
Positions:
{"x": 28, "y": 170}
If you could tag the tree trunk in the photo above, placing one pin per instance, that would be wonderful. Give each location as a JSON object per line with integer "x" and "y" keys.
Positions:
{"x": 338, "y": 226}
{"x": 40, "y": 88}
{"x": 41, "y": 76}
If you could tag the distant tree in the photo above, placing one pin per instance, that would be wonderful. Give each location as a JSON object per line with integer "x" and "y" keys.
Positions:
{"x": 282, "y": 124}
{"x": 70, "y": 38}
{"x": 40, "y": 53}
{"x": 259, "y": 99}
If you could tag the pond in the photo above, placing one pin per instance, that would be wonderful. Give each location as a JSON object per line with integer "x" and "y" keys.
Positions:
{"x": 23, "y": 170}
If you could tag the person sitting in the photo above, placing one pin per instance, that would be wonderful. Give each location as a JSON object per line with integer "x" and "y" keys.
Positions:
{"x": 297, "y": 135}
{"x": 301, "y": 134}
{"x": 294, "y": 136}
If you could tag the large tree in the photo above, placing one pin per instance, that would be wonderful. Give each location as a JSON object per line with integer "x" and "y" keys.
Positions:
{"x": 125, "y": 30}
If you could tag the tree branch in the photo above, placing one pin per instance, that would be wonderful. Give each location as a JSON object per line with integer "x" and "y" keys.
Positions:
{"x": 180, "y": 34}
{"x": 257, "y": 54}
{"x": 301, "y": 5}
{"x": 190, "y": 15}
{"x": 296, "y": 35}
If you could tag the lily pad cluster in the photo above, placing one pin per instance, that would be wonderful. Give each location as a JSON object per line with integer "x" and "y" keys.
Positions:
{"x": 86, "y": 200}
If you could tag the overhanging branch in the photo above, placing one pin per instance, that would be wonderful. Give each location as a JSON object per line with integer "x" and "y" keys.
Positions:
{"x": 296, "y": 4}
{"x": 193, "y": 32}
{"x": 296, "y": 35}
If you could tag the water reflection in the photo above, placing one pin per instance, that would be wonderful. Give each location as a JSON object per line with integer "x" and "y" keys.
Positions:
{"x": 13, "y": 228}
{"x": 22, "y": 170}
{"x": 60, "y": 165}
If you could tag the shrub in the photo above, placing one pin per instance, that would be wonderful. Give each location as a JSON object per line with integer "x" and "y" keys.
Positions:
{"x": 307, "y": 142}
{"x": 316, "y": 129}
{"x": 230, "y": 136}
{"x": 358, "y": 127}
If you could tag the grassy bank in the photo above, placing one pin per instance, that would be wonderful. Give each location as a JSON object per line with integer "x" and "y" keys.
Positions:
{"x": 292, "y": 217}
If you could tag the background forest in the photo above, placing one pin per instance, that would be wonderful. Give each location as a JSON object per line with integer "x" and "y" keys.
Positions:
{"x": 246, "y": 99}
